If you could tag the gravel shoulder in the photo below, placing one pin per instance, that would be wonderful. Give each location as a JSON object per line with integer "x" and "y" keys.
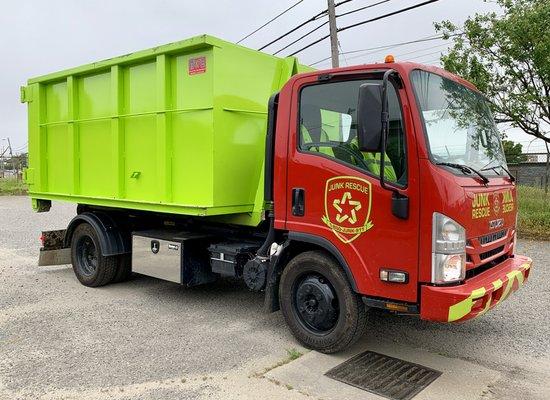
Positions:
{"x": 149, "y": 339}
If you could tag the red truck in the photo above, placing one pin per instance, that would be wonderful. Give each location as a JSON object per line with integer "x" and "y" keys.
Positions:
{"x": 384, "y": 185}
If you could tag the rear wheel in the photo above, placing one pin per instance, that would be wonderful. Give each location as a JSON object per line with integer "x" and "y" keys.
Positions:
{"x": 89, "y": 265}
{"x": 319, "y": 305}
{"x": 124, "y": 268}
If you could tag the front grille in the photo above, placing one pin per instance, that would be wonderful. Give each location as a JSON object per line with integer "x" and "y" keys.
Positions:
{"x": 484, "y": 267}
{"x": 491, "y": 253}
{"x": 492, "y": 237}
{"x": 484, "y": 252}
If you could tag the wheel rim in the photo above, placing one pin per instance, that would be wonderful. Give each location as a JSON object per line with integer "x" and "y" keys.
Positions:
{"x": 87, "y": 256}
{"x": 316, "y": 304}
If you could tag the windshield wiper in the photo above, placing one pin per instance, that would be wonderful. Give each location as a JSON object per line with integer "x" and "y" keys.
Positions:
{"x": 512, "y": 177}
{"x": 465, "y": 170}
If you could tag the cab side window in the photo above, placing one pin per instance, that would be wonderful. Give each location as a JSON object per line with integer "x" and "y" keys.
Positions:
{"x": 327, "y": 126}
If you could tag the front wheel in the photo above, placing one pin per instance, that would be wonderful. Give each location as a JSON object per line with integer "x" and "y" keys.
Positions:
{"x": 318, "y": 304}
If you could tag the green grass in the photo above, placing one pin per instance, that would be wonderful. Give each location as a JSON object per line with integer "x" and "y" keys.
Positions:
{"x": 12, "y": 187}
{"x": 294, "y": 354}
{"x": 534, "y": 213}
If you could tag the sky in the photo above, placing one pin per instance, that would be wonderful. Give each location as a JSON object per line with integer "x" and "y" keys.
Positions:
{"x": 39, "y": 37}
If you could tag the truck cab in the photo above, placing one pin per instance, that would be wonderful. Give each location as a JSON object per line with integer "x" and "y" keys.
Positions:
{"x": 412, "y": 197}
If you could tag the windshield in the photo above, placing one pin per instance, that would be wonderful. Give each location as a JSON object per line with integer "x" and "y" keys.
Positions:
{"x": 458, "y": 124}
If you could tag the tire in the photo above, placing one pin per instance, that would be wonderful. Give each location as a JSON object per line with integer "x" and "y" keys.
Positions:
{"x": 124, "y": 268}
{"x": 90, "y": 267}
{"x": 319, "y": 305}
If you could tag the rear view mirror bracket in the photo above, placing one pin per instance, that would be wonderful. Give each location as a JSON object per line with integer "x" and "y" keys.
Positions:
{"x": 400, "y": 201}
{"x": 372, "y": 133}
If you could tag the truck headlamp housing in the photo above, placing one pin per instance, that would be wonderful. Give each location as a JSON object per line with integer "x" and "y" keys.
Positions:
{"x": 448, "y": 250}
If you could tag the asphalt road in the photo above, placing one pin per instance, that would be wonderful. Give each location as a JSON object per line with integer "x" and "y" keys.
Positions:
{"x": 150, "y": 339}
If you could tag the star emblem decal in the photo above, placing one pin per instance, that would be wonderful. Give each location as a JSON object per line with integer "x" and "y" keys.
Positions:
{"x": 346, "y": 203}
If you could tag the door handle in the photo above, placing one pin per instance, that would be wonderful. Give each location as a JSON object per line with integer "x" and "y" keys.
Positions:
{"x": 298, "y": 202}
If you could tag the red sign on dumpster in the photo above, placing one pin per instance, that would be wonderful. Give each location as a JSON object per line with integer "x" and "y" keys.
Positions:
{"x": 197, "y": 65}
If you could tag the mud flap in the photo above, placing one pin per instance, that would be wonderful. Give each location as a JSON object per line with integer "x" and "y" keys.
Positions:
{"x": 53, "y": 251}
{"x": 54, "y": 257}
{"x": 274, "y": 270}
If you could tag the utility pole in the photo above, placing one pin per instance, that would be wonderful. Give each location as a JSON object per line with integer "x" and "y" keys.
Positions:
{"x": 11, "y": 153}
{"x": 9, "y": 147}
{"x": 2, "y": 160}
{"x": 333, "y": 34}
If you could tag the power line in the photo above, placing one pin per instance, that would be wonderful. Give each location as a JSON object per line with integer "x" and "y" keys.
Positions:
{"x": 425, "y": 55}
{"x": 425, "y": 3}
{"x": 362, "y": 8}
{"x": 314, "y": 18}
{"x": 271, "y": 20}
{"x": 420, "y": 50}
{"x": 424, "y": 39}
{"x": 301, "y": 37}
{"x": 342, "y": 53}
{"x": 366, "y": 22}
{"x": 342, "y": 3}
{"x": 400, "y": 55}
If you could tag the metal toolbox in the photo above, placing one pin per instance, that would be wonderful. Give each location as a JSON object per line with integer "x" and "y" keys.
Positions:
{"x": 179, "y": 257}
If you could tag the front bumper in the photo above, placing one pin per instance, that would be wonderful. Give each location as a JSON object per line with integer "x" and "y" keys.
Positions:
{"x": 477, "y": 295}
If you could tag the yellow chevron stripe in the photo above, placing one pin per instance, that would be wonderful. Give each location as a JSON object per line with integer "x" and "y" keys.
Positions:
{"x": 464, "y": 307}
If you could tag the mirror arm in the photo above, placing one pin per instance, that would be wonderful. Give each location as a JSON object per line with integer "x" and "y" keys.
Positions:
{"x": 400, "y": 202}
{"x": 385, "y": 125}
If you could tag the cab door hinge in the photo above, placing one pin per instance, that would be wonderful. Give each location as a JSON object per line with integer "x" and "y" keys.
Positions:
{"x": 26, "y": 94}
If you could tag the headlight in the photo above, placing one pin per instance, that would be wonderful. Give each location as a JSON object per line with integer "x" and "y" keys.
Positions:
{"x": 448, "y": 250}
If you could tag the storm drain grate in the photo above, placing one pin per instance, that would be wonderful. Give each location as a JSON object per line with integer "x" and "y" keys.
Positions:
{"x": 383, "y": 375}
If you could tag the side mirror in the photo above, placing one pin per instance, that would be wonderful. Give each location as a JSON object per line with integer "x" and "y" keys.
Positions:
{"x": 369, "y": 117}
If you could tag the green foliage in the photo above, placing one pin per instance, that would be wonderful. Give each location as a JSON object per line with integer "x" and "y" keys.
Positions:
{"x": 534, "y": 213}
{"x": 507, "y": 57}
{"x": 294, "y": 354}
{"x": 513, "y": 152}
{"x": 12, "y": 187}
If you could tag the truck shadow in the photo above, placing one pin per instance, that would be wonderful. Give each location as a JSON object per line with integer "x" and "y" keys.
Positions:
{"x": 228, "y": 297}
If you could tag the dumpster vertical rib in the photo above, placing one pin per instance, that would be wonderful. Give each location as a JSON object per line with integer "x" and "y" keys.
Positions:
{"x": 73, "y": 135}
{"x": 40, "y": 107}
{"x": 117, "y": 130}
{"x": 164, "y": 158}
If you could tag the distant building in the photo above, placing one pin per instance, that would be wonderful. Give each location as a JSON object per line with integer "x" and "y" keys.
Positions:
{"x": 532, "y": 158}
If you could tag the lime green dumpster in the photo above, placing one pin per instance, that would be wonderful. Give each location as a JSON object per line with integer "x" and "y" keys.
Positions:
{"x": 178, "y": 129}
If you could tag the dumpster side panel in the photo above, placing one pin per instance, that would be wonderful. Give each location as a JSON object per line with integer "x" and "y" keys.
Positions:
{"x": 94, "y": 164}
{"x": 192, "y": 134}
{"x": 55, "y": 136}
{"x": 242, "y": 90}
{"x": 141, "y": 174}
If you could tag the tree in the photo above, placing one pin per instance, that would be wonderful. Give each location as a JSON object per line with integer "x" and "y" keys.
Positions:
{"x": 507, "y": 57}
{"x": 513, "y": 152}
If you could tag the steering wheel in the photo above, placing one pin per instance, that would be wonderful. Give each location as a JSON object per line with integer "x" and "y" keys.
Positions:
{"x": 356, "y": 154}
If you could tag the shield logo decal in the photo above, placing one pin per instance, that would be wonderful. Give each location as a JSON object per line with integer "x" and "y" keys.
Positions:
{"x": 347, "y": 207}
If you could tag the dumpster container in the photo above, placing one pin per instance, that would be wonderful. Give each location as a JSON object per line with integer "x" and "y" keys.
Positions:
{"x": 178, "y": 128}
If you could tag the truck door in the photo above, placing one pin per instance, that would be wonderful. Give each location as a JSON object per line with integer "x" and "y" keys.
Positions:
{"x": 334, "y": 193}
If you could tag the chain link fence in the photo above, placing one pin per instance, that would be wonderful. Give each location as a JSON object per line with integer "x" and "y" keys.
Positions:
{"x": 534, "y": 171}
